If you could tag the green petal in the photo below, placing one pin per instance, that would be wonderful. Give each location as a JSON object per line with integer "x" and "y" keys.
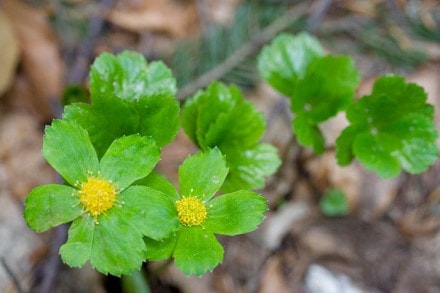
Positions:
{"x": 160, "y": 183}
{"x": 249, "y": 168}
{"x": 236, "y": 213}
{"x": 197, "y": 251}
{"x": 128, "y": 159}
{"x": 67, "y": 148}
{"x": 202, "y": 174}
{"x": 162, "y": 249}
{"x": 153, "y": 213}
{"x": 118, "y": 247}
{"x": 78, "y": 248}
{"x": 51, "y": 205}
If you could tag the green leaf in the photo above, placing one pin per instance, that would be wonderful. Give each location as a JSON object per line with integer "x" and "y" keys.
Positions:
{"x": 128, "y": 159}
{"x": 67, "y": 148}
{"x": 118, "y": 247}
{"x": 151, "y": 211}
{"x": 51, "y": 205}
{"x": 236, "y": 213}
{"x": 328, "y": 87}
{"x": 220, "y": 116}
{"x": 334, "y": 203}
{"x": 128, "y": 77}
{"x": 160, "y": 183}
{"x": 285, "y": 61}
{"x": 159, "y": 250}
{"x": 202, "y": 174}
{"x": 158, "y": 117}
{"x": 390, "y": 129}
{"x": 308, "y": 134}
{"x": 106, "y": 119}
{"x": 197, "y": 251}
{"x": 78, "y": 248}
{"x": 249, "y": 168}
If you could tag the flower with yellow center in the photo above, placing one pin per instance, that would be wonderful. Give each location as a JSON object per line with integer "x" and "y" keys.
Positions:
{"x": 97, "y": 195}
{"x": 110, "y": 215}
{"x": 191, "y": 211}
{"x": 202, "y": 215}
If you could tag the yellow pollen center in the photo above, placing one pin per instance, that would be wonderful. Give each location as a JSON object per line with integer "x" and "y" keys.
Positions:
{"x": 97, "y": 195}
{"x": 191, "y": 211}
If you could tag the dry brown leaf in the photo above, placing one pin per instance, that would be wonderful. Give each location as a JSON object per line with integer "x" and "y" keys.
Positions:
{"x": 9, "y": 53}
{"x": 41, "y": 59}
{"x": 164, "y": 16}
{"x": 273, "y": 279}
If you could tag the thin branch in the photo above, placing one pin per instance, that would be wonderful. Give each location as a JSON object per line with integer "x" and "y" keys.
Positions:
{"x": 244, "y": 51}
{"x": 11, "y": 275}
{"x": 318, "y": 15}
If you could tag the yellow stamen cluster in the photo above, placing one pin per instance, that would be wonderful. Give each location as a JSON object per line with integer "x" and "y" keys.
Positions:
{"x": 191, "y": 211}
{"x": 97, "y": 195}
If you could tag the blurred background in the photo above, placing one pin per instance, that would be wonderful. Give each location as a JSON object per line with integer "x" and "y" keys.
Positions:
{"x": 330, "y": 229}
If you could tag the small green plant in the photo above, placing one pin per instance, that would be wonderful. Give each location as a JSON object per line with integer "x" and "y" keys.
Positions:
{"x": 124, "y": 213}
{"x": 391, "y": 129}
{"x": 334, "y": 203}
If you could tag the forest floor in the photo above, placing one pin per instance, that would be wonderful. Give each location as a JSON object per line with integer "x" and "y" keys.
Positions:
{"x": 388, "y": 242}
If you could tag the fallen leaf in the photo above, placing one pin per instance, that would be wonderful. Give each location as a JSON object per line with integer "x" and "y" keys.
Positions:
{"x": 41, "y": 59}
{"x": 164, "y": 16}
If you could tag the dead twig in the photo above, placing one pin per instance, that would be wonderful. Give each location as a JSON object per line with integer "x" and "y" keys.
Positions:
{"x": 247, "y": 49}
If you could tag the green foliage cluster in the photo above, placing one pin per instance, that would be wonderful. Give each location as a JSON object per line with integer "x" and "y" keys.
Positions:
{"x": 220, "y": 116}
{"x": 391, "y": 129}
{"x": 122, "y": 211}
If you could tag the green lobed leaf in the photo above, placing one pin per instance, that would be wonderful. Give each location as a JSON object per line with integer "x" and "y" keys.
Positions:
{"x": 160, "y": 183}
{"x": 128, "y": 77}
{"x": 128, "y": 159}
{"x": 158, "y": 117}
{"x": 78, "y": 248}
{"x": 117, "y": 246}
{"x": 67, "y": 148}
{"x": 285, "y": 61}
{"x": 202, "y": 174}
{"x": 249, "y": 168}
{"x": 236, "y": 213}
{"x": 328, "y": 87}
{"x": 390, "y": 129}
{"x": 197, "y": 251}
{"x": 160, "y": 249}
{"x": 220, "y": 116}
{"x": 106, "y": 119}
{"x": 153, "y": 213}
{"x": 51, "y": 205}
